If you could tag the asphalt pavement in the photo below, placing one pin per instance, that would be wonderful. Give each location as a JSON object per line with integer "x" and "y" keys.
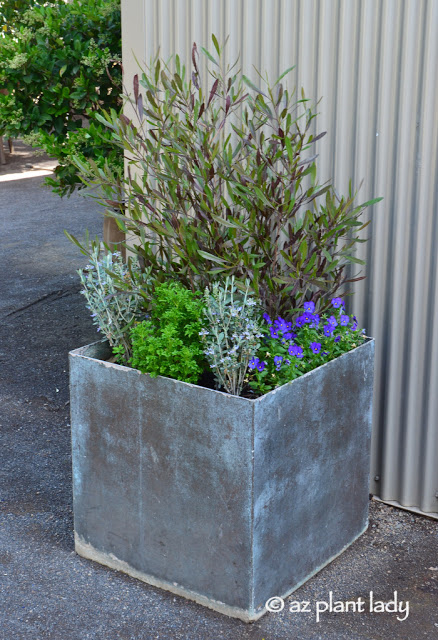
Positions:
{"x": 47, "y": 592}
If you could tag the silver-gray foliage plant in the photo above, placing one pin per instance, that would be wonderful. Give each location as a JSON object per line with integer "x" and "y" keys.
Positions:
{"x": 233, "y": 335}
{"x": 113, "y": 310}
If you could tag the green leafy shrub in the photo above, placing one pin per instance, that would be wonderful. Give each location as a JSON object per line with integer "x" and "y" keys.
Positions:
{"x": 222, "y": 181}
{"x": 10, "y": 13}
{"x": 168, "y": 342}
{"x": 60, "y": 63}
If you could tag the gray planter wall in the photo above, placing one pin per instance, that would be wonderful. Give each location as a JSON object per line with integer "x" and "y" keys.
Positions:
{"x": 224, "y": 500}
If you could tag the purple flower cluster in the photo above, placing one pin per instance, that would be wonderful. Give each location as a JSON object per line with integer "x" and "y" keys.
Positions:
{"x": 308, "y": 317}
{"x": 309, "y": 342}
{"x": 255, "y": 363}
{"x": 295, "y": 350}
{"x": 280, "y": 325}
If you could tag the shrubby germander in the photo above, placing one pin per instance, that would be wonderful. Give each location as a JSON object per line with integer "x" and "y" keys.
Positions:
{"x": 114, "y": 310}
{"x": 232, "y": 334}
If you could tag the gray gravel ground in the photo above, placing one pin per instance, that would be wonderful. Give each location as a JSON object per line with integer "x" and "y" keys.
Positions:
{"x": 47, "y": 592}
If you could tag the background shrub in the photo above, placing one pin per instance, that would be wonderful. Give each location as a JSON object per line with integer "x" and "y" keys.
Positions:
{"x": 60, "y": 63}
{"x": 222, "y": 181}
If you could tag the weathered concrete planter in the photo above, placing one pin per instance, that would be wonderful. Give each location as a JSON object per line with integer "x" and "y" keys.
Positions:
{"x": 221, "y": 499}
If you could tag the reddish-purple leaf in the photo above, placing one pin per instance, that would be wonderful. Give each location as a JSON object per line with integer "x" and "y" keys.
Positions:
{"x": 319, "y": 136}
{"x": 213, "y": 91}
{"x": 227, "y": 104}
{"x": 140, "y": 106}
{"x": 136, "y": 87}
{"x": 194, "y": 54}
{"x": 241, "y": 99}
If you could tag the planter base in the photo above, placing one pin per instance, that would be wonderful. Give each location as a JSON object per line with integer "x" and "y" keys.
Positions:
{"x": 109, "y": 560}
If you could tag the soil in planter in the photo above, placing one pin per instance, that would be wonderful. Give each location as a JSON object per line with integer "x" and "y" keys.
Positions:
{"x": 207, "y": 380}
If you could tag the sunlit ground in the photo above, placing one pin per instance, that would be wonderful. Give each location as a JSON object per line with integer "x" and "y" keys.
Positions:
{"x": 32, "y": 173}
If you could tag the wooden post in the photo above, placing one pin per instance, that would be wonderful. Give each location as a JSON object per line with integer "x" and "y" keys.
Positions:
{"x": 112, "y": 236}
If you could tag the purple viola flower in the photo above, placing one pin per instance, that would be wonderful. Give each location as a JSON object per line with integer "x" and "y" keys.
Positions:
{"x": 277, "y": 361}
{"x": 315, "y": 321}
{"x": 267, "y": 319}
{"x": 337, "y": 338}
{"x": 274, "y": 332}
{"x": 261, "y": 366}
{"x": 332, "y": 320}
{"x": 253, "y": 363}
{"x": 289, "y": 335}
{"x": 287, "y": 362}
{"x": 354, "y": 327}
{"x": 307, "y": 317}
{"x": 309, "y": 306}
{"x": 315, "y": 346}
{"x": 295, "y": 350}
{"x": 299, "y": 321}
{"x": 328, "y": 330}
{"x": 281, "y": 324}
{"x": 344, "y": 320}
{"x": 337, "y": 302}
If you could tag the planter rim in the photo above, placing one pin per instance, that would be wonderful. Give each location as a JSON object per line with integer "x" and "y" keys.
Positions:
{"x": 81, "y": 352}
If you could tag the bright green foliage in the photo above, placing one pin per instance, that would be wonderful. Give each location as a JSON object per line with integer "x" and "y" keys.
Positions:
{"x": 60, "y": 64}
{"x": 90, "y": 142}
{"x": 113, "y": 309}
{"x": 233, "y": 334}
{"x": 10, "y": 13}
{"x": 222, "y": 181}
{"x": 168, "y": 343}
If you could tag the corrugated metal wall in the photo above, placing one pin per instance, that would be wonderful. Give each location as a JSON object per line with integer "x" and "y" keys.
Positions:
{"x": 374, "y": 64}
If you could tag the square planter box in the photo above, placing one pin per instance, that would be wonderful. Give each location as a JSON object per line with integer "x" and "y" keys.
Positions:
{"x": 224, "y": 500}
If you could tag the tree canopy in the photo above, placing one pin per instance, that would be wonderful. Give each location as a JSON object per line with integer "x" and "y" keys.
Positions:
{"x": 60, "y": 63}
